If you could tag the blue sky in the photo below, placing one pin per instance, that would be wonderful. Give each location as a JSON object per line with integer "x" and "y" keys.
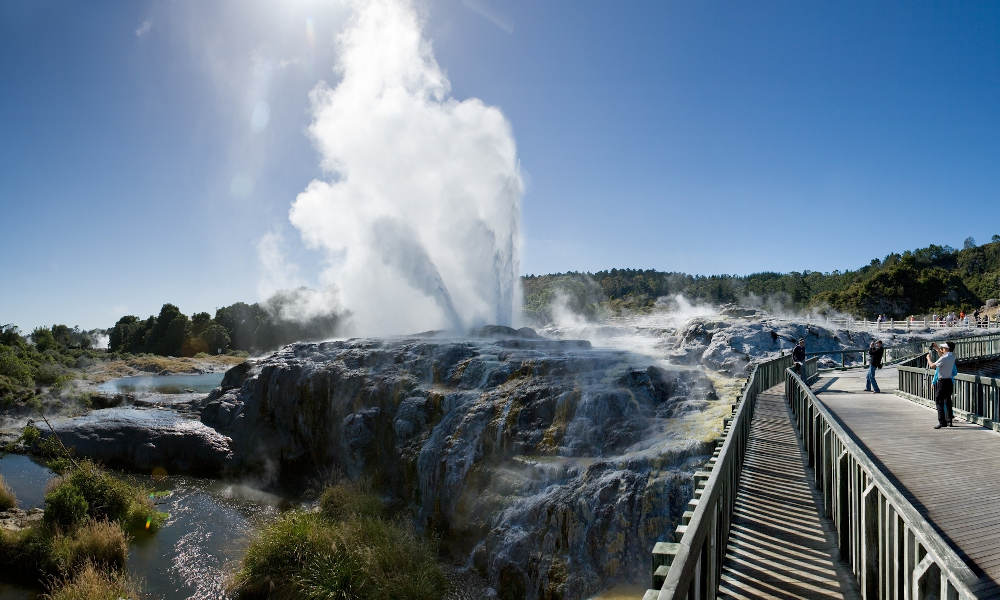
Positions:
{"x": 145, "y": 147}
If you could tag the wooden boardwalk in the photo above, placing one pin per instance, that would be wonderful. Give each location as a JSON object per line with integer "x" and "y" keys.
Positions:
{"x": 779, "y": 545}
{"x": 949, "y": 475}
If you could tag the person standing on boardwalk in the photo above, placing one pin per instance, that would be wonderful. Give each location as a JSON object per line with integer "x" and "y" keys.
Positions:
{"x": 945, "y": 371}
{"x": 932, "y": 356}
{"x": 799, "y": 358}
{"x": 875, "y": 353}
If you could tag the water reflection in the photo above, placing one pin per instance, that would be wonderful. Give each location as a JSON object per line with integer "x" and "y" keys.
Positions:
{"x": 199, "y": 546}
{"x": 27, "y": 478}
{"x": 202, "y": 541}
{"x": 163, "y": 384}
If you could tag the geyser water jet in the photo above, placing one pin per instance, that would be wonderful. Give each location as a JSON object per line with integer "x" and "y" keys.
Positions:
{"x": 420, "y": 214}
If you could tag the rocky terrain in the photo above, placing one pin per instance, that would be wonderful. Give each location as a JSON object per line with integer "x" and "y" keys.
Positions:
{"x": 548, "y": 466}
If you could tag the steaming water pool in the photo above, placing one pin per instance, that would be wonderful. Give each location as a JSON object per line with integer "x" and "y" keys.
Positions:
{"x": 163, "y": 384}
{"x": 190, "y": 557}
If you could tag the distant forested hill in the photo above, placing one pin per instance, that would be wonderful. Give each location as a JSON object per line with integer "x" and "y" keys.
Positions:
{"x": 931, "y": 279}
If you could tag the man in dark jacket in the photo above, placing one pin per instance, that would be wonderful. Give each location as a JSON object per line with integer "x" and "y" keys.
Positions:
{"x": 875, "y": 353}
{"x": 799, "y": 358}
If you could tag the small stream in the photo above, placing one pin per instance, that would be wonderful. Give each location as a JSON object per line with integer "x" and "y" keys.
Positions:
{"x": 210, "y": 521}
{"x": 203, "y": 539}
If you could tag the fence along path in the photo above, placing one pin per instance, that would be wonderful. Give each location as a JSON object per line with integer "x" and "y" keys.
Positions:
{"x": 890, "y": 547}
{"x": 778, "y": 545}
{"x": 946, "y": 474}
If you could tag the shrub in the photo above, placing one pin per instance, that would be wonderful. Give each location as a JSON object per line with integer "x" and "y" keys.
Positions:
{"x": 48, "y": 374}
{"x": 100, "y": 543}
{"x": 7, "y": 497}
{"x": 109, "y": 498}
{"x": 348, "y": 499}
{"x": 31, "y": 435}
{"x": 13, "y": 367}
{"x": 304, "y": 555}
{"x": 65, "y": 506}
{"x": 93, "y": 584}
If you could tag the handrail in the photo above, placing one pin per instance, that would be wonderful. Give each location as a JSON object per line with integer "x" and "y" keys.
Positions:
{"x": 975, "y": 397}
{"x": 891, "y": 549}
{"x": 918, "y": 324}
{"x": 691, "y": 568}
{"x": 969, "y": 346}
{"x": 892, "y": 354}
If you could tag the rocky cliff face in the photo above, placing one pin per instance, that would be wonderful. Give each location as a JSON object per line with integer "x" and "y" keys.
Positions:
{"x": 549, "y": 466}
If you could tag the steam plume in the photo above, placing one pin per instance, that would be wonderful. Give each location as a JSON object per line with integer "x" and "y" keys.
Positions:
{"x": 420, "y": 216}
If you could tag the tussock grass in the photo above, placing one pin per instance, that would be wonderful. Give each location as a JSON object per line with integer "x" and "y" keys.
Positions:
{"x": 26, "y": 555}
{"x": 7, "y": 497}
{"x": 38, "y": 554}
{"x": 93, "y": 583}
{"x": 96, "y": 543}
{"x": 346, "y": 551}
{"x": 348, "y": 499}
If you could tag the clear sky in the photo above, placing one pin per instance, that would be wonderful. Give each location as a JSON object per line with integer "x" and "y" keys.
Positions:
{"x": 146, "y": 147}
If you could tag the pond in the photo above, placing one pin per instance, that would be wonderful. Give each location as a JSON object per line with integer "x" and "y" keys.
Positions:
{"x": 163, "y": 384}
{"x": 200, "y": 544}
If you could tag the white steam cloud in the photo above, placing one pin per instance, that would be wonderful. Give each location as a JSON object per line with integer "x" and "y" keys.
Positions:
{"x": 283, "y": 292}
{"x": 420, "y": 216}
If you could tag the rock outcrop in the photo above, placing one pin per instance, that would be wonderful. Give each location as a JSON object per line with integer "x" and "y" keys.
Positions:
{"x": 549, "y": 466}
{"x": 143, "y": 439}
{"x": 16, "y": 519}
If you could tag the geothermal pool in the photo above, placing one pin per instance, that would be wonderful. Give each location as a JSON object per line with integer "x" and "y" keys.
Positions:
{"x": 163, "y": 384}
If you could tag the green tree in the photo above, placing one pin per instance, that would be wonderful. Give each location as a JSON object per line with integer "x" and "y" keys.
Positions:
{"x": 128, "y": 335}
{"x": 216, "y": 338}
{"x": 43, "y": 339}
{"x": 63, "y": 335}
{"x": 169, "y": 332}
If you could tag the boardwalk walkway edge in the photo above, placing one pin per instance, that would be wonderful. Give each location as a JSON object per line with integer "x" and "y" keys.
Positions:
{"x": 892, "y": 550}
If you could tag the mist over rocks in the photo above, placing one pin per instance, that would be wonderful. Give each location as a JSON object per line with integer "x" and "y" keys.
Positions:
{"x": 731, "y": 344}
{"x": 548, "y": 466}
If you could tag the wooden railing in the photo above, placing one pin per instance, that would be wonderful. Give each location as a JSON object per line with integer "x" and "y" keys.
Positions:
{"x": 976, "y": 398}
{"x": 975, "y": 346}
{"x": 691, "y": 565}
{"x": 914, "y": 324}
{"x": 891, "y": 549}
{"x": 851, "y": 357}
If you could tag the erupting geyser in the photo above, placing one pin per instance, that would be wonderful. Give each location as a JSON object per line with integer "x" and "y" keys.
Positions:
{"x": 420, "y": 215}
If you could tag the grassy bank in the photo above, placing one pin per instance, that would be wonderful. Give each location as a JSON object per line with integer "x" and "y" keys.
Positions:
{"x": 79, "y": 549}
{"x": 348, "y": 549}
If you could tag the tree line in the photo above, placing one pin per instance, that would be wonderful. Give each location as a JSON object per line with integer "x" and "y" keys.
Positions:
{"x": 252, "y": 328}
{"x": 932, "y": 279}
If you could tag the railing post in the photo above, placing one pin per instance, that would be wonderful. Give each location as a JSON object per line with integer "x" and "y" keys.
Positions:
{"x": 870, "y": 543}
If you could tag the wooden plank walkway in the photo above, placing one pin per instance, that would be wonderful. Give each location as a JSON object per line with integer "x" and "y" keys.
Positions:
{"x": 947, "y": 474}
{"x": 779, "y": 544}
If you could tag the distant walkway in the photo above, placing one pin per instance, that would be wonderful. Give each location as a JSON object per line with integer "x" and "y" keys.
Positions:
{"x": 949, "y": 474}
{"x": 778, "y": 546}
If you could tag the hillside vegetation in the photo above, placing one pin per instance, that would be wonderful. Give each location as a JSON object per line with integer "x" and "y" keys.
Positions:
{"x": 932, "y": 279}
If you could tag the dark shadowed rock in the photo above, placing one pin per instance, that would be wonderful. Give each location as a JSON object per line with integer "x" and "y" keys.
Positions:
{"x": 142, "y": 439}
{"x": 552, "y": 465}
